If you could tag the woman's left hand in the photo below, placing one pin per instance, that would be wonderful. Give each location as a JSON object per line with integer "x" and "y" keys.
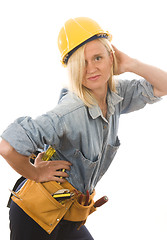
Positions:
{"x": 155, "y": 76}
{"x": 123, "y": 60}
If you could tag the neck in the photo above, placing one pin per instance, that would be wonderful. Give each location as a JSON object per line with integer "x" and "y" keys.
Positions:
{"x": 101, "y": 97}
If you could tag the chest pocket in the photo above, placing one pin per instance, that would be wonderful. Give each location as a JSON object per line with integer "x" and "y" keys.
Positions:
{"x": 109, "y": 154}
{"x": 86, "y": 173}
{"x": 83, "y": 171}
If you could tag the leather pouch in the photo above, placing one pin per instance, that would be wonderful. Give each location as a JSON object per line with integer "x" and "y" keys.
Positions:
{"x": 78, "y": 212}
{"x": 36, "y": 200}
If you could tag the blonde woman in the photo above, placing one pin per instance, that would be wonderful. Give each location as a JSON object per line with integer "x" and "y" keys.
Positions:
{"x": 83, "y": 127}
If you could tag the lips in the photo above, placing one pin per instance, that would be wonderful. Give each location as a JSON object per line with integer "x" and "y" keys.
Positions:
{"x": 93, "y": 78}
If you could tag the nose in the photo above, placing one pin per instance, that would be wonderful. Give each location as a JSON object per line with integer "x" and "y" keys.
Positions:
{"x": 90, "y": 67}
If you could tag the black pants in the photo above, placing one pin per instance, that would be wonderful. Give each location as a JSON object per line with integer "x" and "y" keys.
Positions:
{"x": 25, "y": 228}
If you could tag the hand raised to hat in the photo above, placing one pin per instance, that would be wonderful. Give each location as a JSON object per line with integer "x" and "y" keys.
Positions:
{"x": 50, "y": 170}
{"x": 123, "y": 60}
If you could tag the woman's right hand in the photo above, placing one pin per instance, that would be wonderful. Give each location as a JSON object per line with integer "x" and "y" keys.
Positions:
{"x": 50, "y": 170}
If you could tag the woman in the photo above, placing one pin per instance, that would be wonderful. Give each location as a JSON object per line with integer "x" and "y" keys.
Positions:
{"x": 83, "y": 126}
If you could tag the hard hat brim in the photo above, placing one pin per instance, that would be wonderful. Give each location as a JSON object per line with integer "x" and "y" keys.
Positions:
{"x": 68, "y": 55}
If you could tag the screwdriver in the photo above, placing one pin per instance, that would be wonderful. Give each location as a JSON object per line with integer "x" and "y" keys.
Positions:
{"x": 49, "y": 153}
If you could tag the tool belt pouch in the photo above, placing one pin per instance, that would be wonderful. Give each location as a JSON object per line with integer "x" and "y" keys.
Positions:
{"x": 77, "y": 212}
{"x": 36, "y": 200}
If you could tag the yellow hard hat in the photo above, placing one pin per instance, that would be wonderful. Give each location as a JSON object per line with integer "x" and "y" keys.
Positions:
{"x": 77, "y": 32}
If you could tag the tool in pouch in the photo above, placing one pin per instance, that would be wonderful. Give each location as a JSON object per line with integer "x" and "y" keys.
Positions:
{"x": 49, "y": 202}
{"x": 36, "y": 200}
{"x": 62, "y": 194}
{"x": 49, "y": 153}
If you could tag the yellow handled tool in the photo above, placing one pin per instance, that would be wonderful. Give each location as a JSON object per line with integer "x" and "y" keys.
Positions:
{"x": 48, "y": 154}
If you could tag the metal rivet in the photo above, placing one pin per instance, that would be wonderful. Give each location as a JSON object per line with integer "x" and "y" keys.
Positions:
{"x": 48, "y": 231}
{"x": 58, "y": 219}
{"x": 51, "y": 224}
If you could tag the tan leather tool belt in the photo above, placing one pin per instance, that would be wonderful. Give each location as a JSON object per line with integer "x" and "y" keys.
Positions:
{"x": 37, "y": 201}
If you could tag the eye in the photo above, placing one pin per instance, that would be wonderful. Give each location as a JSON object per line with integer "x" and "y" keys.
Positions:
{"x": 98, "y": 58}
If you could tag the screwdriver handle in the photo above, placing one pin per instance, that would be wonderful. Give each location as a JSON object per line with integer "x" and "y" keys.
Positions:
{"x": 48, "y": 154}
{"x": 101, "y": 201}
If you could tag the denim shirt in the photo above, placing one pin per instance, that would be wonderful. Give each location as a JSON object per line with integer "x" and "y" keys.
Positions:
{"x": 81, "y": 134}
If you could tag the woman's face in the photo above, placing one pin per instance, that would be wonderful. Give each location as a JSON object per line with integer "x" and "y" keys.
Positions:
{"x": 98, "y": 63}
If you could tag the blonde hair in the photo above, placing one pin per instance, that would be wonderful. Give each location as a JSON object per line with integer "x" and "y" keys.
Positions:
{"x": 76, "y": 66}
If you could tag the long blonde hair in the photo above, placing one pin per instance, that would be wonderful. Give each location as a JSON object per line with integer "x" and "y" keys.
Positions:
{"x": 76, "y": 66}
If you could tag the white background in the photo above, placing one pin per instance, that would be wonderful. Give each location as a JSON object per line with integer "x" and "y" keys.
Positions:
{"x": 31, "y": 77}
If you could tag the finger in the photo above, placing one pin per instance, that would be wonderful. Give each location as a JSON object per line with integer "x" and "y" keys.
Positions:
{"x": 52, "y": 178}
{"x": 114, "y": 47}
{"x": 60, "y": 166}
{"x": 61, "y": 174}
{"x": 39, "y": 157}
{"x": 59, "y": 180}
{"x": 63, "y": 162}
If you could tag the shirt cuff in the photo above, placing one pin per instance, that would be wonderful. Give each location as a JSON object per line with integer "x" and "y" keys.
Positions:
{"x": 16, "y": 136}
{"x": 148, "y": 92}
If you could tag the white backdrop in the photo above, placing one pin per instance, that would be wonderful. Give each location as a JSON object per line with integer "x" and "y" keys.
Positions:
{"x": 31, "y": 78}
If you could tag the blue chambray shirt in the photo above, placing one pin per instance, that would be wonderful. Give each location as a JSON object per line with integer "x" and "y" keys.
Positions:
{"x": 80, "y": 134}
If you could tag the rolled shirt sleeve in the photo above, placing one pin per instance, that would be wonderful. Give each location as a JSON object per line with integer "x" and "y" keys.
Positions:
{"x": 26, "y": 135}
{"x": 136, "y": 94}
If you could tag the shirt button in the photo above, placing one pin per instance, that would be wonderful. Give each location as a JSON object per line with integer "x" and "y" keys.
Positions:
{"x": 105, "y": 126}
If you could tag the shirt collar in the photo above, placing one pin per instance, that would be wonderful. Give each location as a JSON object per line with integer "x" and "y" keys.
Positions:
{"x": 112, "y": 100}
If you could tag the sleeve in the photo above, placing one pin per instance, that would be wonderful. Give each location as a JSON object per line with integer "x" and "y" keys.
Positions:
{"x": 26, "y": 135}
{"x": 136, "y": 94}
